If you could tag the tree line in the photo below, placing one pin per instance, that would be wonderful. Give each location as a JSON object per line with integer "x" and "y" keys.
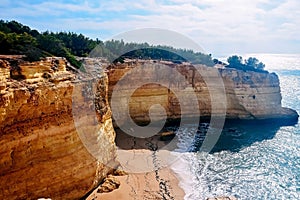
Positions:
{"x": 16, "y": 38}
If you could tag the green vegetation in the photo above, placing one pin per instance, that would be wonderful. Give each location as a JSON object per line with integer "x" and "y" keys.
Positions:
{"x": 116, "y": 50}
{"x": 250, "y": 64}
{"x": 16, "y": 38}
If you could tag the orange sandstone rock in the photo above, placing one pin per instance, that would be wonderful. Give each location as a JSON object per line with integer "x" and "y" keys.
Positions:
{"x": 41, "y": 153}
{"x": 248, "y": 95}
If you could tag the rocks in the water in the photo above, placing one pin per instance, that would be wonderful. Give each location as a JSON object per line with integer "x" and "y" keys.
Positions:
{"x": 166, "y": 136}
{"x": 110, "y": 183}
{"x": 222, "y": 198}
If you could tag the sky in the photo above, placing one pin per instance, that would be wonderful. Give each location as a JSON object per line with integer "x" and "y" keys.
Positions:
{"x": 220, "y": 27}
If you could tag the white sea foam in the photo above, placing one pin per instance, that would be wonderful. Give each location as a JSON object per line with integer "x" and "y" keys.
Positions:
{"x": 181, "y": 167}
{"x": 263, "y": 170}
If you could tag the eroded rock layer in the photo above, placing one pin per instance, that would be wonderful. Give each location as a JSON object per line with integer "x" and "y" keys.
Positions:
{"x": 244, "y": 95}
{"x": 41, "y": 152}
{"x": 56, "y": 132}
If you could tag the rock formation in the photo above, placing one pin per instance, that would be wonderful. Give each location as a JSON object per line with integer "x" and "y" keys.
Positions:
{"x": 49, "y": 114}
{"x": 249, "y": 95}
{"x": 110, "y": 183}
{"x": 41, "y": 153}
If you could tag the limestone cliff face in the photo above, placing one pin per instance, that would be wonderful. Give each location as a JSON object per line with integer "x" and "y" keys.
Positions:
{"x": 56, "y": 132}
{"x": 41, "y": 153}
{"x": 253, "y": 95}
{"x": 248, "y": 95}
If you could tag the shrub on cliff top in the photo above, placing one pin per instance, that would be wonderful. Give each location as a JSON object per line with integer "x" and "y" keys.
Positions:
{"x": 250, "y": 64}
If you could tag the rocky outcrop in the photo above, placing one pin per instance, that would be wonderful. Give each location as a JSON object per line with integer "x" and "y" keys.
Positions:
{"x": 248, "y": 95}
{"x": 56, "y": 134}
{"x": 110, "y": 183}
{"x": 254, "y": 95}
{"x": 41, "y": 152}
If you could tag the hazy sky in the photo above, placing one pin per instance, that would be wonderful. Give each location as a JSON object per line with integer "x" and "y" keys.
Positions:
{"x": 219, "y": 26}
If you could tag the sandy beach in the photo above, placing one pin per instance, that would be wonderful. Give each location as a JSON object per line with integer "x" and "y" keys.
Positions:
{"x": 163, "y": 185}
{"x": 158, "y": 183}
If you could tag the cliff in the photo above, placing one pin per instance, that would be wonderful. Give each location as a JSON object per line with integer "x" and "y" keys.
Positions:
{"x": 41, "y": 152}
{"x": 56, "y": 133}
{"x": 254, "y": 95}
{"x": 247, "y": 94}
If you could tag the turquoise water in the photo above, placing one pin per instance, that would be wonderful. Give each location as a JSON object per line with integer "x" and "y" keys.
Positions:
{"x": 250, "y": 161}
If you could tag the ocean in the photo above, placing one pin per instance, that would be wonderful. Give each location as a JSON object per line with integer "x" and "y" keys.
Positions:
{"x": 250, "y": 161}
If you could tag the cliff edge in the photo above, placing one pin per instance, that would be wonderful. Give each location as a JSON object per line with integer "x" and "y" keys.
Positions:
{"x": 41, "y": 153}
